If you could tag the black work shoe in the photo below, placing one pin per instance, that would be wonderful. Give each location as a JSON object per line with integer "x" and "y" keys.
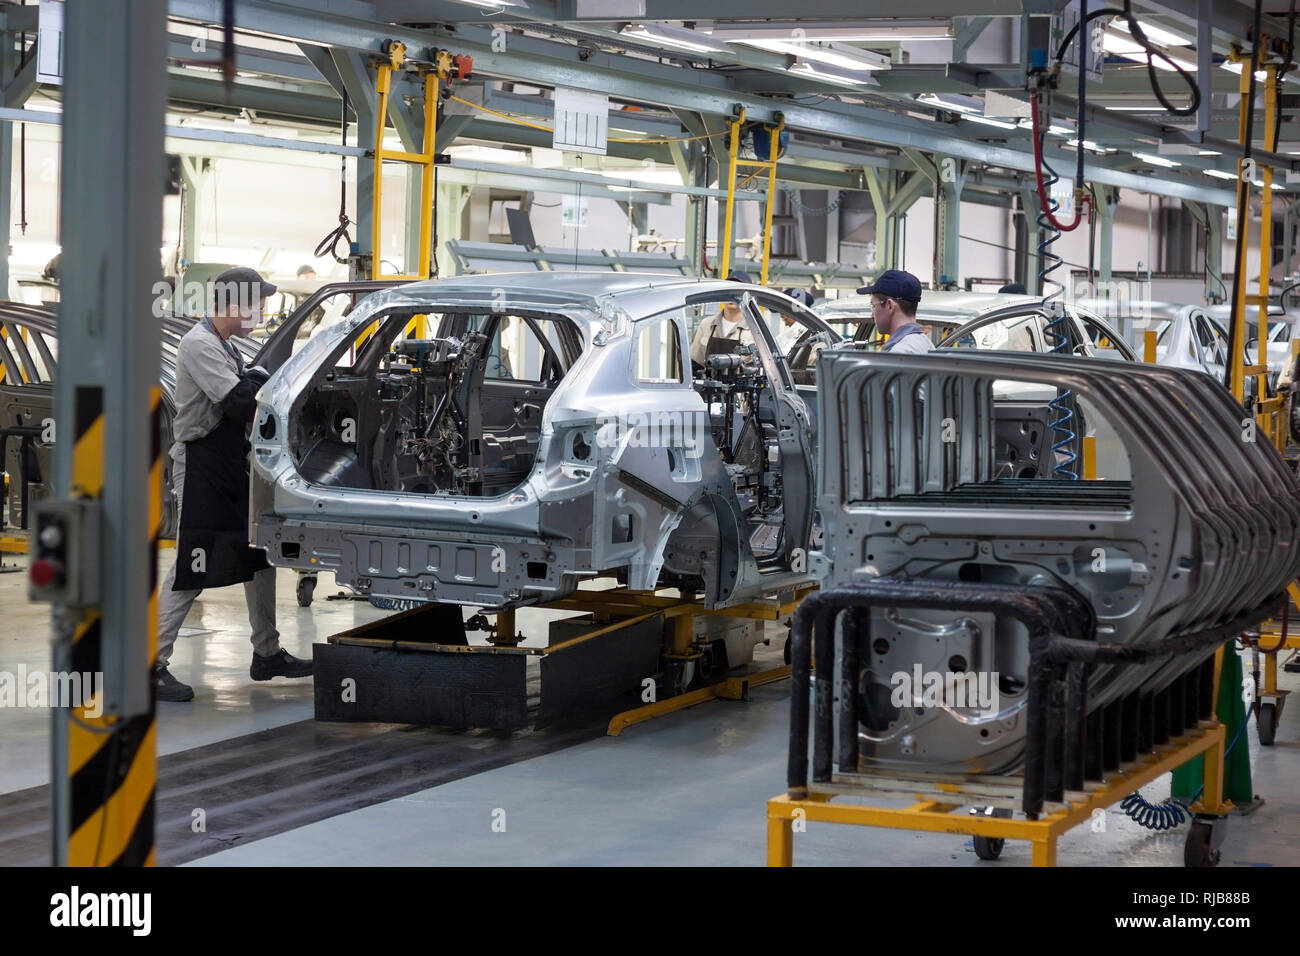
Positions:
{"x": 167, "y": 687}
{"x": 279, "y": 664}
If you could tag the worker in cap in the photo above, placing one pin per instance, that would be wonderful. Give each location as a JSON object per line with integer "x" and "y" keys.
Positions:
{"x": 894, "y": 297}
{"x": 215, "y": 404}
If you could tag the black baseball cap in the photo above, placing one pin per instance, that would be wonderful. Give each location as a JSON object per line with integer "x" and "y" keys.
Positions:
{"x": 895, "y": 284}
{"x": 240, "y": 285}
{"x": 738, "y": 276}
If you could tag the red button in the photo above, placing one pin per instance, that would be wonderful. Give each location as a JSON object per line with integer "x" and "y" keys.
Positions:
{"x": 44, "y": 572}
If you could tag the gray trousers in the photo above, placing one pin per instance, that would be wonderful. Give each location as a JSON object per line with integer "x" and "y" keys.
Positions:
{"x": 173, "y": 606}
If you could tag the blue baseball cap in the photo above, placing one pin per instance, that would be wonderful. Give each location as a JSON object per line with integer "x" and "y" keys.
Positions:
{"x": 802, "y": 296}
{"x": 895, "y": 284}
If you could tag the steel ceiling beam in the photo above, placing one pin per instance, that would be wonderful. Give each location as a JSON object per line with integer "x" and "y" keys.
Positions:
{"x": 529, "y": 60}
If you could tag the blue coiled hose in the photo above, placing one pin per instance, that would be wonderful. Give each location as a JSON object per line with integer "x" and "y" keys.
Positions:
{"x": 1063, "y": 436}
{"x": 393, "y": 604}
{"x": 1172, "y": 812}
{"x": 1154, "y": 816}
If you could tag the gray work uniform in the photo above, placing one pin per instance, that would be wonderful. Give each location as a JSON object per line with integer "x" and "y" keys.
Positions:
{"x": 910, "y": 339}
{"x": 206, "y": 370}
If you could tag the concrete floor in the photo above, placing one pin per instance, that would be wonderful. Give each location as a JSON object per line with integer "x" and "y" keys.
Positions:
{"x": 689, "y": 788}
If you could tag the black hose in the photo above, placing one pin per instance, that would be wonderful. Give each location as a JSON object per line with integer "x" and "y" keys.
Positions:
{"x": 329, "y": 245}
{"x": 1084, "y": 50}
{"x": 1243, "y": 202}
{"x": 1135, "y": 30}
{"x": 1083, "y": 19}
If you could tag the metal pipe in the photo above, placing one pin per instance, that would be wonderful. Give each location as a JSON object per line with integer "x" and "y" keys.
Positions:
{"x": 823, "y": 696}
{"x": 1054, "y": 738}
{"x": 850, "y": 638}
{"x": 1076, "y": 725}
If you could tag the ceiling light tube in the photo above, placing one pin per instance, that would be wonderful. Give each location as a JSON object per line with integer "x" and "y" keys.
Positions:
{"x": 1156, "y": 160}
{"x": 844, "y": 57}
{"x": 803, "y": 68}
{"x": 1156, "y": 35}
{"x": 681, "y": 39}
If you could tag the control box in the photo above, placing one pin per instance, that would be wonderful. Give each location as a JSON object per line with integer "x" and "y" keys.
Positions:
{"x": 63, "y": 564}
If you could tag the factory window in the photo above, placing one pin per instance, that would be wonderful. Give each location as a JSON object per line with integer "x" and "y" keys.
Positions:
{"x": 658, "y": 352}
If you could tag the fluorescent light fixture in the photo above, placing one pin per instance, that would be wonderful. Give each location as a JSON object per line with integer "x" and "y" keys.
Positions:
{"x": 844, "y": 57}
{"x": 1156, "y": 35}
{"x": 492, "y": 4}
{"x": 885, "y": 31}
{"x": 1218, "y": 174}
{"x": 1119, "y": 45}
{"x": 1090, "y": 145}
{"x": 803, "y": 68}
{"x": 1058, "y": 130}
{"x": 953, "y": 104}
{"x": 659, "y": 34}
{"x": 488, "y": 154}
{"x": 1135, "y": 109}
{"x": 1236, "y": 68}
{"x": 1160, "y": 63}
{"x": 987, "y": 121}
{"x": 1156, "y": 160}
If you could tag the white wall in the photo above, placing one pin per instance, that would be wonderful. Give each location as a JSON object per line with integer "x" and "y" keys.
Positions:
{"x": 276, "y": 212}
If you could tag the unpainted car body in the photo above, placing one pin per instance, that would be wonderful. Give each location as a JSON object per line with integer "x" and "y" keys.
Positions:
{"x": 548, "y": 427}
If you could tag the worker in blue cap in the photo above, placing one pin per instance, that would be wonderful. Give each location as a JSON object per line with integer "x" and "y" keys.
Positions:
{"x": 894, "y": 297}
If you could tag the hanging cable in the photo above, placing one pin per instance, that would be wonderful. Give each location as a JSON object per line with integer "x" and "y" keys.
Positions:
{"x": 1152, "y": 51}
{"x": 1243, "y": 199}
{"x": 330, "y": 244}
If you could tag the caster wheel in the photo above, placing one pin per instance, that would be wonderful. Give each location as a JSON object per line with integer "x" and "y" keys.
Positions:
{"x": 989, "y": 848}
{"x": 1266, "y": 723}
{"x": 306, "y": 587}
{"x": 1198, "y": 851}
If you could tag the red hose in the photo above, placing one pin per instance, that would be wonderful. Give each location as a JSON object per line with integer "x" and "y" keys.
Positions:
{"x": 1043, "y": 200}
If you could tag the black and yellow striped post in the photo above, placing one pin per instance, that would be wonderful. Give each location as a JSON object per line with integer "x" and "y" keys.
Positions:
{"x": 111, "y": 761}
{"x": 107, "y": 449}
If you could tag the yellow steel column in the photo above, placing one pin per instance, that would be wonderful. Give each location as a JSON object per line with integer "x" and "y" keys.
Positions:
{"x": 771, "y": 194}
{"x": 780, "y": 839}
{"x": 725, "y": 259}
{"x": 396, "y": 53}
{"x": 426, "y": 173}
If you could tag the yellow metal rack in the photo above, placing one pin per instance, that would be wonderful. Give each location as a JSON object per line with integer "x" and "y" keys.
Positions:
{"x": 395, "y": 53}
{"x": 735, "y": 163}
{"x": 938, "y": 798}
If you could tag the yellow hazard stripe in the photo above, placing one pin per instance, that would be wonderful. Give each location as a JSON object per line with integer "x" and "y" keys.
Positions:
{"x": 103, "y": 838}
{"x": 112, "y": 763}
{"x": 88, "y": 447}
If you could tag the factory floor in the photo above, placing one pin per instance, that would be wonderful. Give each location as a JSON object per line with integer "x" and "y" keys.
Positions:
{"x": 247, "y": 777}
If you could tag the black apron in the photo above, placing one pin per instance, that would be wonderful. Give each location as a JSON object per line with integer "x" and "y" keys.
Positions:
{"x": 212, "y": 544}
